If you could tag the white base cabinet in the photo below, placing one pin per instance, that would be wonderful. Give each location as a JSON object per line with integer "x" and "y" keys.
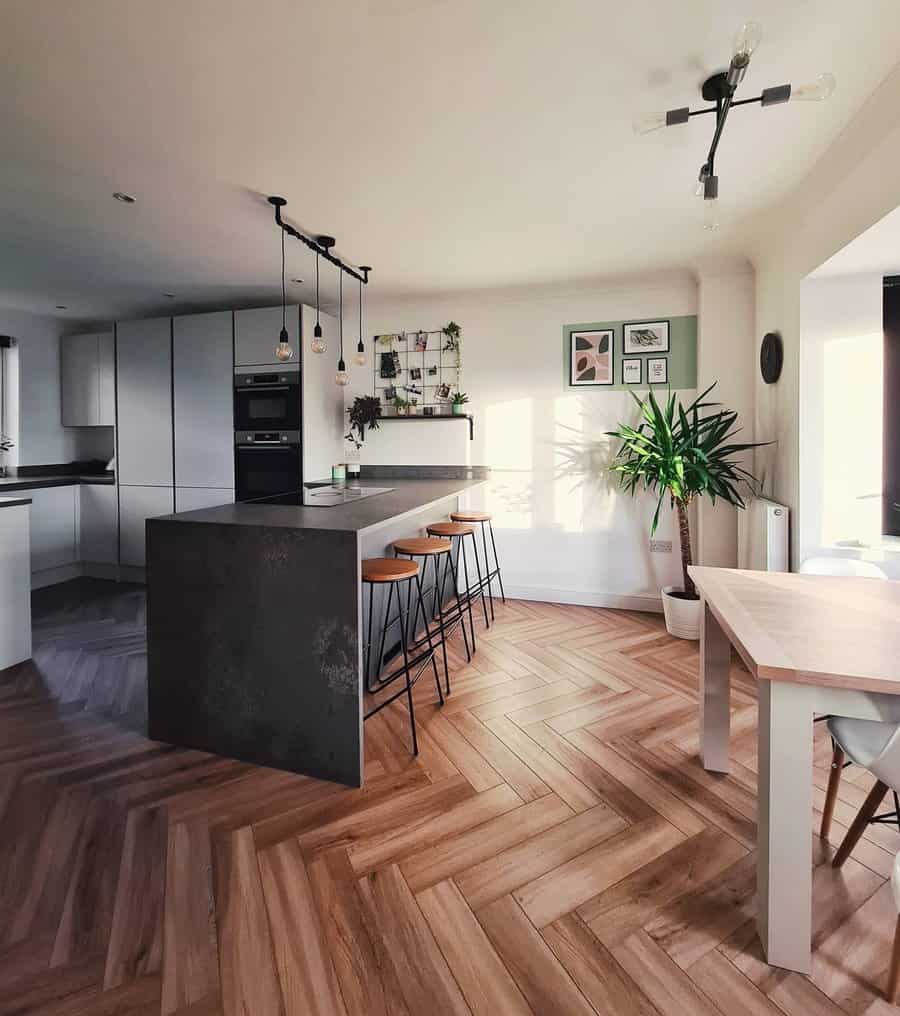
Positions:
{"x": 98, "y": 523}
{"x": 136, "y": 505}
{"x": 54, "y": 532}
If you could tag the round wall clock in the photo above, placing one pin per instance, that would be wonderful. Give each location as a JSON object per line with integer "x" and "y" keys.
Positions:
{"x": 771, "y": 357}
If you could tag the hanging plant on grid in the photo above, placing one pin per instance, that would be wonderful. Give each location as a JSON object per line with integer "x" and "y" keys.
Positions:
{"x": 364, "y": 414}
{"x": 678, "y": 453}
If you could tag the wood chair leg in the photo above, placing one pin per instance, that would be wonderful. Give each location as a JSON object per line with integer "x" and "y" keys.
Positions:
{"x": 893, "y": 984}
{"x": 834, "y": 782}
{"x": 868, "y": 809}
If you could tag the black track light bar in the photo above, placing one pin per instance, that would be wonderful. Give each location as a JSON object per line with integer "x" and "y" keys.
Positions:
{"x": 321, "y": 245}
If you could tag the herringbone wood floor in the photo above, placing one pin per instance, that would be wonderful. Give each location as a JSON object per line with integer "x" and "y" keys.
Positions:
{"x": 556, "y": 847}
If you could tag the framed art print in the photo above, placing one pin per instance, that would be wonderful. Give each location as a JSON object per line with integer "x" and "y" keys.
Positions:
{"x": 591, "y": 357}
{"x": 658, "y": 371}
{"x": 631, "y": 372}
{"x": 646, "y": 337}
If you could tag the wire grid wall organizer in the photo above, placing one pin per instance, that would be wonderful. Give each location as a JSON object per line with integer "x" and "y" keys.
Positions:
{"x": 425, "y": 369}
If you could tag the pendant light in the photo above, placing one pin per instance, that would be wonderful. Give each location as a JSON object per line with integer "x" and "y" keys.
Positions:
{"x": 318, "y": 343}
{"x": 283, "y": 350}
{"x": 360, "y": 358}
{"x": 341, "y": 378}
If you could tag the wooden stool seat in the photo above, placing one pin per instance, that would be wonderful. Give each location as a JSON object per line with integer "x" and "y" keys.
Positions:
{"x": 423, "y": 545}
{"x": 388, "y": 569}
{"x": 470, "y": 516}
{"x": 449, "y": 529}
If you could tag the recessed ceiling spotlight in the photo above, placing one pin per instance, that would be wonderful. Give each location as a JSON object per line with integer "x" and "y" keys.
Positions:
{"x": 171, "y": 296}
{"x": 126, "y": 199}
{"x": 298, "y": 281}
{"x": 61, "y": 306}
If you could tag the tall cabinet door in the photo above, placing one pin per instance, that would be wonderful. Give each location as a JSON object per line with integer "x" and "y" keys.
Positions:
{"x": 106, "y": 378}
{"x": 136, "y": 505}
{"x": 144, "y": 397}
{"x": 256, "y": 334}
{"x": 203, "y": 377}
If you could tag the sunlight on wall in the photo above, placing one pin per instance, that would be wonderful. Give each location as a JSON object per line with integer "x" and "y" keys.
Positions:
{"x": 852, "y": 438}
{"x": 509, "y": 442}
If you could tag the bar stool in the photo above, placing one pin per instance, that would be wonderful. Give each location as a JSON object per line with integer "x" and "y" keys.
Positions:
{"x": 491, "y": 573}
{"x": 459, "y": 531}
{"x": 390, "y": 571}
{"x": 433, "y": 549}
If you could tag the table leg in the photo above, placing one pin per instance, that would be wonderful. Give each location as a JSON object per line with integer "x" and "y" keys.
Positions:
{"x": 715, "y": 693}
{"x": 784, "y": 858}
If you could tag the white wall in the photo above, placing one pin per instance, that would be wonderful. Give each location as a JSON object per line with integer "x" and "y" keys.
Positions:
{"x": 848, "y": 190}
{"x": 564, "y": 531}
{"x": 726, "y": 355}
{"x": 841, "y": 358}
{"x": 42, "y": 439}
{"x": 323, "y": 403}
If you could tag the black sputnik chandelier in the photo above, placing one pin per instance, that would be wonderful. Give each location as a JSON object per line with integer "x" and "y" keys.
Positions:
{"x": 720, "y": 90}
{"x": 322, "y": 247}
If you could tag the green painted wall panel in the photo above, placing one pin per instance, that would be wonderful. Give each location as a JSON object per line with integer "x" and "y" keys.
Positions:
{"x": 682, "y": 355}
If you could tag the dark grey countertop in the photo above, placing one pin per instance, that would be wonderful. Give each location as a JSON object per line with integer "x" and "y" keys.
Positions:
{"x": 11, "y": 502}
{"x": 8, "y": 483}
{"x": 408, "y": 495}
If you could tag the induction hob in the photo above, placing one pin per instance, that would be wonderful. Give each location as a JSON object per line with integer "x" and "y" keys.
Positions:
{"x": 326, "y": 496}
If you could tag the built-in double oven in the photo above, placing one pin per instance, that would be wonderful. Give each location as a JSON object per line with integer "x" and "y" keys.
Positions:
{"x": 267, "y": 431}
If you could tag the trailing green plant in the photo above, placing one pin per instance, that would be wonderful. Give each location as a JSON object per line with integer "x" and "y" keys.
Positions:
{"x": 683, "y": 453}
{"x": 364, "y": 414}
{"x": 460, "y": 399}
{"x": 453, "y": 332}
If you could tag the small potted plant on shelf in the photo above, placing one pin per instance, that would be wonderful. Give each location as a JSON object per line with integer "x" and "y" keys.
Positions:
{"x": 364, "y": 414}
{"x": 401, "y": 405}
{"x": 413, "y": 408}
{"x": 682, "y": 453}
{"x": 459, "y": 404}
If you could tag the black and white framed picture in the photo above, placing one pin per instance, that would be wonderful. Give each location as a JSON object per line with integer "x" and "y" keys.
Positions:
{"x": 591, "y": 357}
{"x": 631, "y": 372}
{"x": 646, "y": 337}
{"x": 658, "y": 371}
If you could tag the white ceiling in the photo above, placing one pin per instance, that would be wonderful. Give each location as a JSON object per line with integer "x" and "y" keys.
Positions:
{"x": 452, "y": 144}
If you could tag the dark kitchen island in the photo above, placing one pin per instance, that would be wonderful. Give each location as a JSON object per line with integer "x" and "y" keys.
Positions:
{"x": 254, "y": 622}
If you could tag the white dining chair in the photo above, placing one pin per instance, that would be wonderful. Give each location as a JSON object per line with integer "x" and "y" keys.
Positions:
{"x": 846, "y": 566}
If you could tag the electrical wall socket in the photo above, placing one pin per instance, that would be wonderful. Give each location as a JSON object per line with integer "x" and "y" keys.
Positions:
{"x": 660, "y": 546}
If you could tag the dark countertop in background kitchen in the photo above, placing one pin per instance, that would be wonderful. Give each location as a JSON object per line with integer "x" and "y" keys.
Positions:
{"x": 10, "y": 483}
{"x": 408, "y": 495}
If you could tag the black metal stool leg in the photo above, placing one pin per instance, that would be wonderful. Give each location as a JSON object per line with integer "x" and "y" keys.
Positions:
{"x": 465, "y": 561}
{"x": 455, "y": 578}
{"x": 487, "y": 570}
{"x": 481, "y": 582}
{"x": 379, "y": 662}
{"x": 437, "y": 678}
{"x": 440, "y": 610}
{"x": 409, "y": 699}
{"x": 497, "y": 562}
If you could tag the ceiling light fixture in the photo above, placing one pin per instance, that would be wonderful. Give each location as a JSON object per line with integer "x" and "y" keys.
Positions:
{"x": 318, "y": 343}
{"x": 360, "y": 357}
{"x": 341, "y": 378}
{"x": 321, "y": 246}
{"x": 283, "y": 351}
{"x": 61, "y": 306}
{"x": 720, "y": 89}
{"x": 169, "y": 296}
{"x": 298, "y": 281}
{"x": 126, "y": 199}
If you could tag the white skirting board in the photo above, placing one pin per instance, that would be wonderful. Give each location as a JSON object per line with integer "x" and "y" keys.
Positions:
{"x": 649, "y": 602}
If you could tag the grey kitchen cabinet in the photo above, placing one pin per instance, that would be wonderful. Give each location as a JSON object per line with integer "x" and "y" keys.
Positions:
{"x": 136, "y": 505}
{"x": 106, "y": 373}
{"x": 54, "y": 537}
{"x": 98, "y": 523}
{"x": 144, "y": 421}
{"x": 80, "y": 384}
{"x": 189, "y": 499}
{"x": 203, "y": 373}
{"x": 256, "y": 335}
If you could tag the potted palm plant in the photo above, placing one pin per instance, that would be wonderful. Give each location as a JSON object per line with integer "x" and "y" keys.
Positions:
{"x": 682, "y": 453}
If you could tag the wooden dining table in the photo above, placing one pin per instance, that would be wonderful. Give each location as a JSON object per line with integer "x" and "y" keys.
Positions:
{"x": 816, "y": 645}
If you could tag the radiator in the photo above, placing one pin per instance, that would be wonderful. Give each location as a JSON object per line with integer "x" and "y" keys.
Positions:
{"x": 764, "y": 536}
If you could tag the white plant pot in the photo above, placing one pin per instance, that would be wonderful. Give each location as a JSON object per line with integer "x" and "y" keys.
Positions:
{"x": 682, "y": 616}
